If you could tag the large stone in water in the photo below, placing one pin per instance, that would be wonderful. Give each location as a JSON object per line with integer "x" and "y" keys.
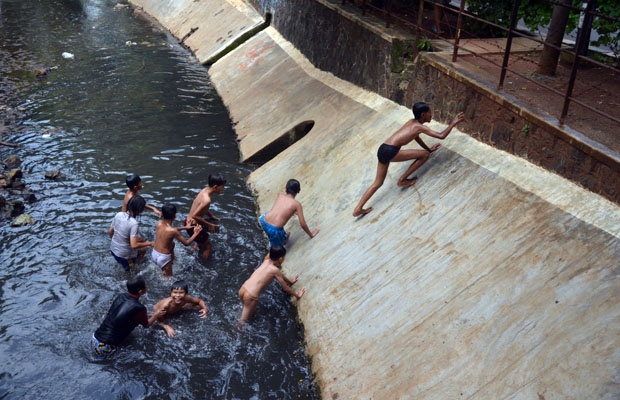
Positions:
{"x": 23, "y": 219}
{"x": 14, "y": 175}
{"x": 12, "y": 161}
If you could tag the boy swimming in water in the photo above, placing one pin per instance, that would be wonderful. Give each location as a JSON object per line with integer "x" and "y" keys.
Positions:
{"x": 163, "y": 249}
{"x": 263, "y": 276}
{"x": 391, "y": 151}
{"x": 176, "y": 302}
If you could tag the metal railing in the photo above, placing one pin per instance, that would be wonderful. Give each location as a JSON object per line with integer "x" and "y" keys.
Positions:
{"x": 394, "y": 16}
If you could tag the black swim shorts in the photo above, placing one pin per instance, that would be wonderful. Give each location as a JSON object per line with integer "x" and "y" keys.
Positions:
{"x": 386, "y": 152}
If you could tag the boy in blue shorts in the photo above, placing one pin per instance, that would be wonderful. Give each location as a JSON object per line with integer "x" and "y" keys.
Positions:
{"x": 283, "y": 209}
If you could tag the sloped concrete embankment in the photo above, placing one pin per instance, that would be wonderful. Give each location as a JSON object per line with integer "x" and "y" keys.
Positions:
{"x": 490, "y": 278}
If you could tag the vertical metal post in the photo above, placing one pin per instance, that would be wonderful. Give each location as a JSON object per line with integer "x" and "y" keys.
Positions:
{"x": 459, "y": 24}
{"x": 513, "y": 24}
{"x": 582, "y": 40}
{"x": 419, "y": 26}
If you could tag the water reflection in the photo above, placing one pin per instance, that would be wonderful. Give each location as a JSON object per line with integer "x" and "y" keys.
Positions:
{"x": 115, "y": 109}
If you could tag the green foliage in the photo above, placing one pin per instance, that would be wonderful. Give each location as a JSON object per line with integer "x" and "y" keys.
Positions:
{"x": 424, "y": 44}
{"x": 608, "y": 30}
{"x": 536, "y": 13}
{"x": 497, "y": 12}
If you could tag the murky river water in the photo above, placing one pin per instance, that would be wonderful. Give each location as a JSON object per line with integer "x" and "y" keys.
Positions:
{"x": 130, "y": 101}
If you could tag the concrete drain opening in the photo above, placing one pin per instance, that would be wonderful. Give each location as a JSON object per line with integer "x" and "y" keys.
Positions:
{"x": 282, "y": 143}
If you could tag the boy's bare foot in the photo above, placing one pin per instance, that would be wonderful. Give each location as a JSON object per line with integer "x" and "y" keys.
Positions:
{"x": 363, "y": 211}
{"x": 407, "y": 182}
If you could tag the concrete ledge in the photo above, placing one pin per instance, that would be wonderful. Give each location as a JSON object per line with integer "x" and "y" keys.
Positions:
{"x": 262, "y": 82}
{"x": 219, "y": 23}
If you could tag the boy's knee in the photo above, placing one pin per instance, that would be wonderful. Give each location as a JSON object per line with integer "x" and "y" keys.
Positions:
{"x": 377, "y": 184}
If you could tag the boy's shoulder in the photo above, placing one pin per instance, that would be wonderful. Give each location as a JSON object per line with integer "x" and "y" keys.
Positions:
{"x": 163, "y": 302}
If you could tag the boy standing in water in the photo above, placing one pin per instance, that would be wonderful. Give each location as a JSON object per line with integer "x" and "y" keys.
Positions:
{"x": 200, "y": 208}
{"x": 263, "y": 276}
{"x": 283, "y": 209}
{"x": 123, "y": 316}
{"x": 134, "y": 183}
{"x": 391, "y": 151}
{"x": 163, "y": 249}
{"x": 176, "y": 302}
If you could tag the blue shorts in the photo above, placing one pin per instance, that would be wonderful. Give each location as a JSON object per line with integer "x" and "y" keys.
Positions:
{"x": 277, "y": 236}
{"x": 102, "y": 350}
{"x": 124, "y": 262}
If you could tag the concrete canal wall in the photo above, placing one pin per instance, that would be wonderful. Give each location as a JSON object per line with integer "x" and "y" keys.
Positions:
{"x": 491, "y": 278}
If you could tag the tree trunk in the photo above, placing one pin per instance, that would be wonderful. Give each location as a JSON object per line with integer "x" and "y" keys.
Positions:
{"x": 548, "y": 62}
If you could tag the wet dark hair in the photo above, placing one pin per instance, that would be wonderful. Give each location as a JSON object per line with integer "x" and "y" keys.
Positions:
{"x": 420, "y": 108}
{"x": 179, "y": 285}
{"x": 136, "y": 205}
{"x": 216, "y": 180}
{"x": 132, "y": 181}
{"x": 135, "y": 284}
{"x": 276, "y": 252}
{"x": 168, "y": 211}
{"x": 293, "y": 187}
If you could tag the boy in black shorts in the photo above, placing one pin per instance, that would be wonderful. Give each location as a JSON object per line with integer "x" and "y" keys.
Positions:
{"x": 391, "y": 151}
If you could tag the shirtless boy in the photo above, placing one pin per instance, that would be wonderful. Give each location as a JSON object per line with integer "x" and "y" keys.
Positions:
{"x": 163, "y": 250}
{"x": 283, "y": 209}
{"x": 263, "y": 276}
{"x": 391, "y": 151}
{"x": 176, "y": 302}
{"x": 200, "y": 208}
{"x": 134, "y": 183}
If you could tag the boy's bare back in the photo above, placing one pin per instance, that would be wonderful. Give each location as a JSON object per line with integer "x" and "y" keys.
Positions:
{"x": 164, "y": 237}
{"x": 262, "y": 277}
{"x": 283, "y": 209}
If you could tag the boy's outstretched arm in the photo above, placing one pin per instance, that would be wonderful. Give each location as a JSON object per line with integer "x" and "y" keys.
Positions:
{"x": 154, "y": 209}
{"x": 135, "y": 243}
{"x": 210, "y": 225}
{"x": 302, "y": 222}
{"x": 159, "y": 312}
{"x": 280, "y": 277}
{"x": 289, "y": 281}
{"x": 200, "y": 303}
{"x": 443, "y": 134}
{"x": 187, "y": 242}
{"x": 419, "y": 140}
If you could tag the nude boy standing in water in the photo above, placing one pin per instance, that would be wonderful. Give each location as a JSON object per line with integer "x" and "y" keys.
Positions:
{"x": 263, "y": 276}
{"x": 391, "y": 151}
{"x": 200, "y": 208}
